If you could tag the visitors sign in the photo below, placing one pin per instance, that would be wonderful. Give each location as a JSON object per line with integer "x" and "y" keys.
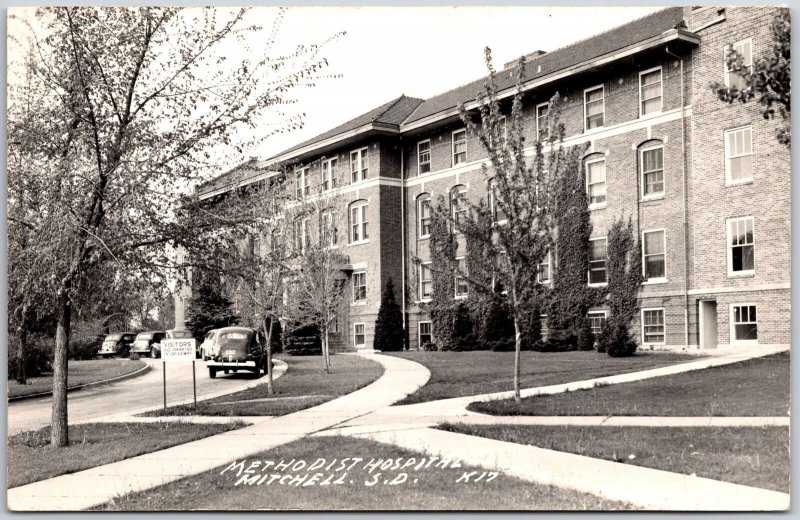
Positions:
{"x": 177, "y": 349}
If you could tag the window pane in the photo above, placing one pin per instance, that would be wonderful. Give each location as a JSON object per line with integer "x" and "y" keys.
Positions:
{"x": 654, "y": 243}
{"x": 598, "y": 250}
{"x": 655, "y": 267}
{"x": 748, "y": 332}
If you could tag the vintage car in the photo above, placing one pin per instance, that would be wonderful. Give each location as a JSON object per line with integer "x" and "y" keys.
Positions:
{"x": 144, "y": 342}
{"x": 238, "y": 348}
{"x": 117, "y": 344}
{"x": 209, "y": 347}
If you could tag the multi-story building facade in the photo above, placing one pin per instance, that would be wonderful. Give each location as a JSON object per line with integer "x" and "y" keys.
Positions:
{"x": 706, "y": 184}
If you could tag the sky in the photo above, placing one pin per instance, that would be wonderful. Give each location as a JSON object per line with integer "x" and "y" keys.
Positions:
{"x": 419, "y": 51}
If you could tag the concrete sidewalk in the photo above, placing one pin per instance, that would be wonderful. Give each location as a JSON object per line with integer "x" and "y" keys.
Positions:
{"x": 644, "y": 421}
{"x": 96, "y": 486}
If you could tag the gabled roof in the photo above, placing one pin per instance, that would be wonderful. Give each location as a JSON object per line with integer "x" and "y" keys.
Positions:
{"x": 559, "y": 59}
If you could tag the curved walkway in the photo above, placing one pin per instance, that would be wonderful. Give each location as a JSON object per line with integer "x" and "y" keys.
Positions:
{"x": 98, "y": 485}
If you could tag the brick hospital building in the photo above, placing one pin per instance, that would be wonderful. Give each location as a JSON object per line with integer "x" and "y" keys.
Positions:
{"x": 706, "y": 183}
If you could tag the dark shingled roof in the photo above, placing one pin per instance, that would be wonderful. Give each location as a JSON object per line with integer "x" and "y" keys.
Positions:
{"x": 392, "y": 113}
{"x": 573, "y": 54}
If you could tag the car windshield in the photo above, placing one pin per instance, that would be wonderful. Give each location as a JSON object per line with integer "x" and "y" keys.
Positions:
{"x": 234, "y": 336}
{"x": 113, "y": 337}
{"x": 145, "y": 335}
{"x": 181, "y": 334}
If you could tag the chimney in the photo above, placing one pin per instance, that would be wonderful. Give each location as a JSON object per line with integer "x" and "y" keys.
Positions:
{"x": 528, "y": 58}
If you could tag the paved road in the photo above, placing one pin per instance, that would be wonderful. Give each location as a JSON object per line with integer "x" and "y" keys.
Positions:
{"x": 132, "y": 395}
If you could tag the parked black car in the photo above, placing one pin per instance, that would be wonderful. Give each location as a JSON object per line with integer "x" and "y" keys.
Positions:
{"x": 239, "y": 348}
{"x": 144, "y": 342}
{"x": 117, "y": 344}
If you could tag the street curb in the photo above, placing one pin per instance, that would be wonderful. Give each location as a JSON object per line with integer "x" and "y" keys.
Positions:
{"x": 139, "y": 372}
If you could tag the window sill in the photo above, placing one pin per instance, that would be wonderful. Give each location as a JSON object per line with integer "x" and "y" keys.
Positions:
{"x": 652, "y": 344}
{"x": 743, "y": 274}
{"x": 652, "y": 198}
{"x": 594, "y": 130}
{"x": 426, "y": 237}
{"x": 602, "y": 205}
{"x": 425, "y": 300}
{"x": 604, "y": 284}
{"x": 460, "y": 297}
{"x": 360, "y": 242}
{"x": 738, "y": 183}
{"x": 650, "y": 115}
{"x": 655, "y": 281}
{"x": 750, "y": 343}
{"x": 358, "y": 304}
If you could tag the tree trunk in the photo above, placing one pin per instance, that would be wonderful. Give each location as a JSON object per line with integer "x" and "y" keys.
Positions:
{"x": 325, "y": 357}
{"x": 59, "y": 434}
{"x": 517, "y": 349}
{"x": 270, "y": 384}
{"x": 21, "y": 352}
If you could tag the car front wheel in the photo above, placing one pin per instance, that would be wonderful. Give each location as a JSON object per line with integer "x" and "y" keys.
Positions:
{"x": 212, "y": 373}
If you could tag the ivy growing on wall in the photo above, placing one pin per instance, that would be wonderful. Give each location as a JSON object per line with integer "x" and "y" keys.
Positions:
{"x": 442, "y": 253}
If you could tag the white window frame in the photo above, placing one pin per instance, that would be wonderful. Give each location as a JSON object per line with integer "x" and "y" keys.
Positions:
{"x": 453, "y": 146}
{"x": 603, "y": 204}
{"x": 301, "y": 187}
{"x": 662, "y": 279}
{"x": 360, "y": 208}
{"x": 421, "y": 199}
{"x": 328, "y": 230}
{"x": 589, "y": 273}
{"x": 456, "y": 277}
{"x": 654, "y": 195}
{"x": 422, "y": 281}
{"x": 585, "y": 122}
{"x": 664, "y": 324}
{"x": 419, "y": 157}
{"x": 363, "y": 333}
{"x": 362, "y": 169}
{"x": 729, "y": 156}
{"x": 329, "y": 167}
{"x": 493, "y": 203}
{"x": 419, "y": 332}
{"x": 359, "y": 301}
{"x": 544, "y": 330}
{"x": 729, "y": 247}
{"x": 549, "y": 263}
{"x": 455, "y": 194}
{"x": 589, "y": 314}
{"x": 725, "y": 50}
{"x": 733, "y": 339}
{"x": 302, "y": 224}
{"x": 538, "y": 121}
{"x": 661, "y": 94}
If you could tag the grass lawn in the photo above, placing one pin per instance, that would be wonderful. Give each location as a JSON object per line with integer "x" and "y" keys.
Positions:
{"x": 80, "y": 373}
{"x": 459, "y": 374}
{"x": 304, "y": 385}
{"x": 429, "y": 488}
{"x": 756, "y": 387}
{"x": 30, "y": 457}
{"x": 750, "y": 456}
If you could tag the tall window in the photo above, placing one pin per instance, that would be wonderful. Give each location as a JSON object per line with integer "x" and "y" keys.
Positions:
{"x": 276, "y": 243}
{"x": 498, "y": 215}
{"x": 745, "y": 49}
{"x": 424, "y": 215}
{"x": 329, "y": 174}
{"x": 425, "y": 333}
{"x": 542, "y": 125}
{"x": 461, "y": 284}
{"x": 459, "y": 147}
{"x": 739, "y": 155}
{"x": 358, "y": 222}
{"x": 652, "y": 166}
{"x": 598, "y": 261}
{"x": 650, "y": 92}
{"x": 256, "y": 245}
{"x": 360, "y": 287}
{"x": 301, "y": 188}
{"x": 596, "y": 319}
{"x": 653, "y": 326}
{"x": 458, "y": 204}
{"x": 359, "y": 335}
{"x": 654, "y": 260}
{"x": 300, "y": 234}
{"x": 425, "y": 281}
{"x": 741, "y": 246}
{"x": 359, "y": 165}
{"x": 594, "y": 107}
{"x": 543, "y": 328}
{"x": 596, "y": 181}
{"x": 424, "y": 156}
{"x": 744, "y": 324}
{"x": 328, "y": 232}
{"x": 543, "y": 274}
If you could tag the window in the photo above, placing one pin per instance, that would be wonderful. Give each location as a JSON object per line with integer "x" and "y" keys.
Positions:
{"x": 542, "y": 124}
{"x": 359, "y": 165}
{"x": 257, "y": 246}
{"x": 328, "y": 232}
{"x": 596, "y": 320}
{"x": 300, "y": 234}
{"x": 543, "y": 274}
{"x": 596, "y": 181}
{"x": 498, "y": 215}
{"x": 360, "y": 287}
{"x": 654, "y": 259}
{"x": 594, "y": 107}
{"x": 359, "y": 335}
{"x": 329, "y": 174}
{"x": 424, "y": 156}
{"x": 741, "y": 246}
{"x": 653, "y": 326}
{"x": 459, "y": 147}
{"x": 425, "y": 281}
{"x": 276, "y": 242}
{"x": 744, "y": 324}
{"x": 461, "y": 284}
{"x": 301, "y": 187}
{"x": 424, "y": 215}
{"x": 458, "y": 204}
{"x": 358, "y": 223}
{"x": 543, "y": 328}
{"x": 652, "y": 166}
{"x": 425, "y": 333}
{"x": 597, "y": 261}
{"x": 739, "y": 155}
{"x": 650, "y": 93}
{"x": 736, "y": 79}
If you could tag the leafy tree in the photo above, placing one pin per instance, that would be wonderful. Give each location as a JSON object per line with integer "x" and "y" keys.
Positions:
{"x": 770, "y": 79}
{"x": 113, "y": 127}
{"x": 210, "y": 309}
{"x": 497, "y": 332}
{"x": 389, "y": 335}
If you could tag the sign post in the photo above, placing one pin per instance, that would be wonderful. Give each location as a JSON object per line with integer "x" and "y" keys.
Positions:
{"x": 175, "y": 350}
